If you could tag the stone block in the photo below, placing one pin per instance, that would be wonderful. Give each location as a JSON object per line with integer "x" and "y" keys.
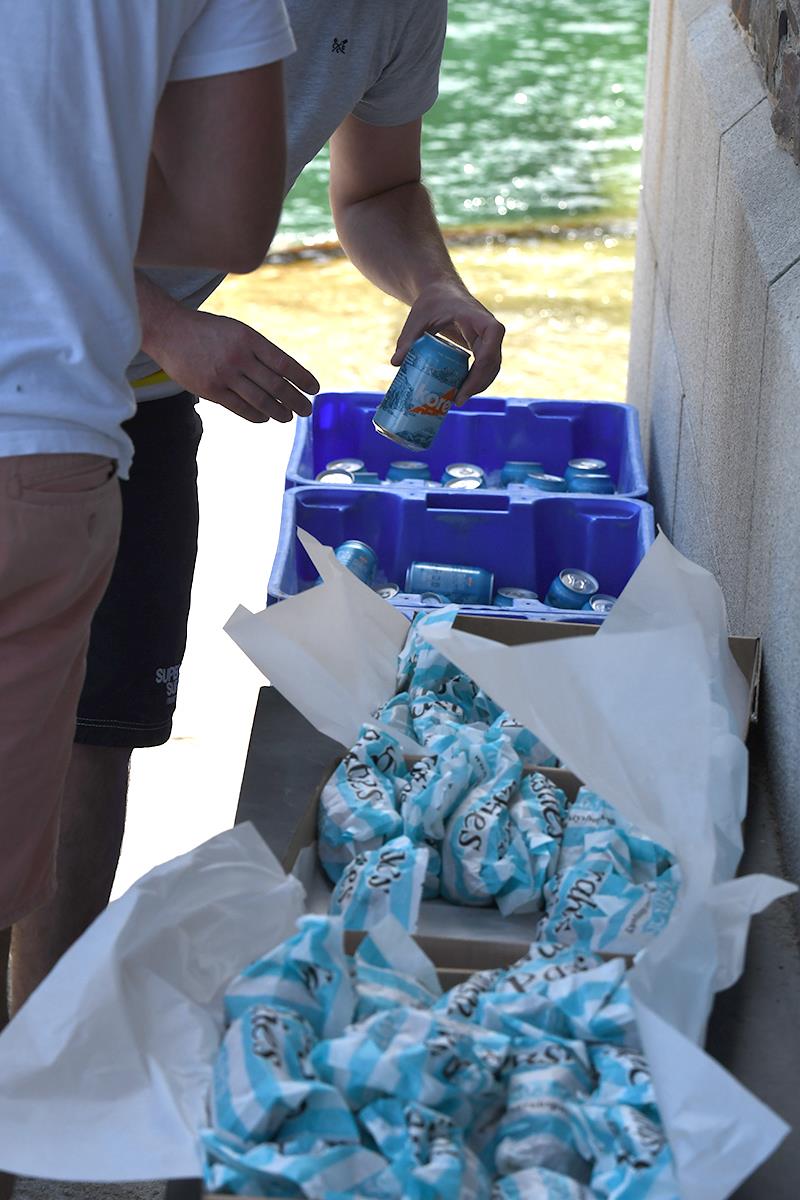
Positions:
{"x": 644, "y": 284}
{"x": 773, "y": 595}
{"x": 732, "y": 79}
{"x": 691, "y": 530}
{"x": 692, "y": 9}
{"x": 660, "y": 163}
{"x": 768, "y": 183}
{"x": 666, "y": 401}
{"x": 724, "y": 414}
{"x": 693, "y": 229}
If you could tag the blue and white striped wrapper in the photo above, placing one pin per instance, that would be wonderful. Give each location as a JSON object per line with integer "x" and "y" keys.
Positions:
{"x": 529, "y": 747}
{"x": 392, "y": 971}
{"x": 309, "y": 974}
{"x": 262, "y": 1077}
{"x": 358, "y": 807}
{"x": 384, "y": 882}
{"x": 624, "y": 1078}
{"x": 632, "y": 1156}
{"x": 414, "y": 1055}
{"x": 546, "y": 1077}
{"x": 483, "y": 854}
{"x": 599, "y": 908}
{"x": 546, "y": 963}
{"x": 595, "y": 828}
{"x": 587, "y": 1006}
{"x": 426, "y": 1151}
{"x": 431, "y": 791}
{"x": 537, "y": 811}
{"x": 537, "y": 1183}
{"x": 318, "y": 1171}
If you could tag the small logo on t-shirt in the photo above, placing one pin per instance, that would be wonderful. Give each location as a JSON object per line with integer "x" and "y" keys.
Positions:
{"x": 168, "y": 676}
{"x": 339, "y": 47}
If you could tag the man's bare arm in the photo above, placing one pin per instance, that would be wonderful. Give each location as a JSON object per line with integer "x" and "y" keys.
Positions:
{"x": 387, "y": 226}
{"x": 217, "y": 172}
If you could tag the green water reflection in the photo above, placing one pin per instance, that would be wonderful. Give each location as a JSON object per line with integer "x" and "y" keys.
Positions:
{"x": 539, "y": 117}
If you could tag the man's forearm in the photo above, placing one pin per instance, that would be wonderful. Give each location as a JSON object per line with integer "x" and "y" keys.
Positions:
{"x": 394, "y": 239}
{"x": 157, "y": 310}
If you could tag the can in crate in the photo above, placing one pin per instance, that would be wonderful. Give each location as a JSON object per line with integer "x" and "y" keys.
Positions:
{"x": 599, "y": 604}
{"x": 336, "y": 475}
{"x": 457, "y": 471}
{"x": 408, "y": 470}
{"x": 584, "y": 466}
{"x": 508, "y": 597}
{"x": 591, "y": 484}
{"x": 422, "y": 392}
{"x": 547, "y": 483}
{"x": 388, "y": 591}
{"x": 360, "y": 559}
{"x": 518, "y": 472}
{"x": 368, "y": 477}
{"x": 353, "y": 465}
{"x": 470, "y": 484}
{"x": 461, "y": 585}
{"x": 571, "y": 588}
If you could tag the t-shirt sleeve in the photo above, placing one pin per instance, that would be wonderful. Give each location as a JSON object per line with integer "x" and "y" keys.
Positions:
{"x": 233, "y": 35}
{"x": 409, "y": 84}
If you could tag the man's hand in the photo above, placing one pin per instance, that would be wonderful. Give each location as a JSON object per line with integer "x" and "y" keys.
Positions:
{"x": 447, "y": 307}
{"x": 229, "y": 363}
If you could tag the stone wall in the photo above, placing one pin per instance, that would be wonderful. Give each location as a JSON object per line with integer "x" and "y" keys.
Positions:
{"x": 715, "y": 351}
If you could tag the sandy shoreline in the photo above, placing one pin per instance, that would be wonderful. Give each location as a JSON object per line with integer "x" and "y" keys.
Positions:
{"x": 565, "y": 303}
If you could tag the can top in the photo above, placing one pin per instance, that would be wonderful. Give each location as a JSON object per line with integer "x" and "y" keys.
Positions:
{"x": 388, "y": 591}
{"x": 464, "y": 471}
{"x": 409, "y": 465}
{"x": 578, "y": 581}
{"x": 432, "y": 598}
{"x": 515, "y": 593}
{"x": 336, "y": 475}
{"x": 592, "y": 465}
{"x": 547, "y": 483}
{"x": 353, "y": 465}
{"x": 519, "y": 462}
{"x": 445, "y": 345}
{"x": 601, "y": 603}
{"x": 469, "y": 484}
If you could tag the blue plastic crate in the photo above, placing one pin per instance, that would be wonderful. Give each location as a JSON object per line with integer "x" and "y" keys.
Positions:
{"x": 488, "y": 431}
{"x": 524, "y": 541}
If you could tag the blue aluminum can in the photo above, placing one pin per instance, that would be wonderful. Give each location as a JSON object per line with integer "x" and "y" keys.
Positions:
{"x": 335, "y": 475}
{"x": 602, "y": 605}
{"x": 461, "y": 585}
{"x": 368, "y": 477}
{"x": 571, "y": 588}
{"x": 465, "y": 485}
{"x": 547, "y": 483}
{"x": 360, "y": 559}
{"x": 508, "y": 597}
{"x": 590, "y": 484}
{"x": 584, "y": 466}
{"x": 518, "y": 472}
{"x": 422, "y": 392}
{"x": 353, "y": 465}
{"x": 388, "y": 591}
{"x": 456, "y": 471}
{"x": 408, "y": 470}
{"x": 430, "y": 599}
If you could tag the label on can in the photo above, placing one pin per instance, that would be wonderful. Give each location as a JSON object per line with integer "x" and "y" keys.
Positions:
{"x": 422, "y": 392}
{"x": 462, "y": 585}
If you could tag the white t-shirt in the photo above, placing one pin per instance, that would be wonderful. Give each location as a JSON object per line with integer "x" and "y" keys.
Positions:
{"x": 377, "y": 59}
{"x": 80, "y": 81}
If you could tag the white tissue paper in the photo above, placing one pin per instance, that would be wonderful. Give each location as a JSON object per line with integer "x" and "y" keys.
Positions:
{"x": 105, "y": 1072}
{"x": 648, "y": 713}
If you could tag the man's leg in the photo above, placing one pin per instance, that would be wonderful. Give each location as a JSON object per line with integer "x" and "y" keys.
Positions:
{"x": 137, "y": 641}
{"x": 90, "y": 838}
{"x": 59, "y": 528}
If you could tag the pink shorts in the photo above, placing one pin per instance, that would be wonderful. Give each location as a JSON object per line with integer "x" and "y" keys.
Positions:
{"x": 59, "y": 529}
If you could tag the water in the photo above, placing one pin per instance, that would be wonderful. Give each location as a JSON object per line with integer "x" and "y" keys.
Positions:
{"x": 539, "y": 117}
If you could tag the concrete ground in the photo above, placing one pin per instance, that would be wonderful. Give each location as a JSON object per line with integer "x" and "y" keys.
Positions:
{"x": 40, "y": 1189}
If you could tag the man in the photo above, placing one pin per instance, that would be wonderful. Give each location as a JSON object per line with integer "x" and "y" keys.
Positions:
{"x": 363, "y": 76}
{"x": 81, "y": 87}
